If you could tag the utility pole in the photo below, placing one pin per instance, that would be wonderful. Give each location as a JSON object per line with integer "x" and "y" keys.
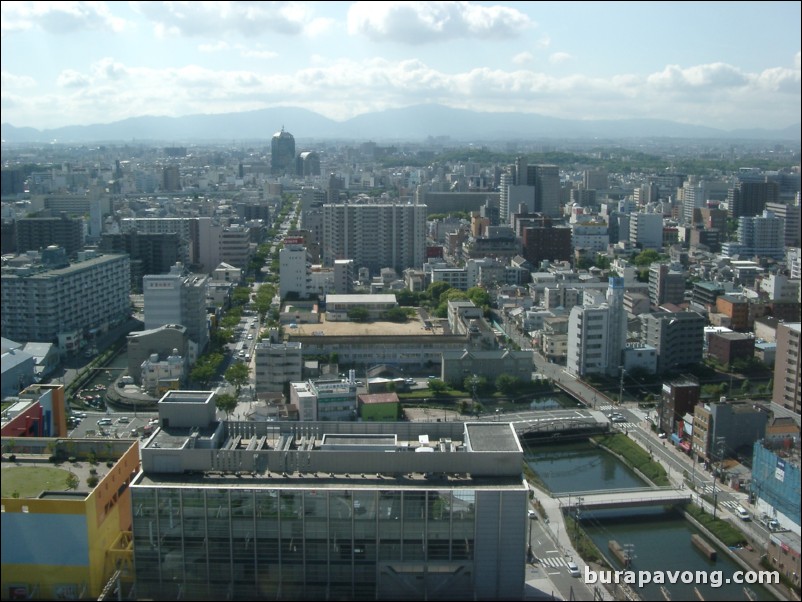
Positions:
{"x": 719, "y": 448}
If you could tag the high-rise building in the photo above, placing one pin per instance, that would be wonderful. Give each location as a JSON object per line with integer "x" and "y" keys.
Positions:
{"x": 793, "y": 221}
{"x": 646, "y": 230}
{"x": 344, "y": 276}
{"x": 375, "y": 236}
{"x": 293, "y": 268}
{"x": 178, "y": 298}
{"x": 149, "y": 253}
{"x": 307, "y": 164}
{"x": 597, "y": 334}
{"x": 171, "y": 179}
{"x": 758, "y": 236}
{"x": 327, "y": 511}
{"x": 36, "y": 233}
{"x": 678, "y": 338}
{"x": 282, "y": 153}
{"x": 546, "y": 180}
{"x": 69, "y": 303}
{"x": 750, "y": 198}
{"x": 666, "y": 285}
{"x": 787, "y": 387}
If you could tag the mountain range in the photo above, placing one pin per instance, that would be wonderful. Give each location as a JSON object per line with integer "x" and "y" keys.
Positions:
{"x": 411, "y": 124}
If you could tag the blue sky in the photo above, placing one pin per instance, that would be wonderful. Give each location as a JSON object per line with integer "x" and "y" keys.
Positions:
{"x": 726, "y": 65}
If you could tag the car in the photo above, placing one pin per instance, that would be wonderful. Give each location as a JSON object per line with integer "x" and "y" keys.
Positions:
{"x": 250, "y": 337}
{"x": 573, "y": 570}
{"x": 123, "y": 420}
{"x": 662, "y": 435}
{"x": 532, "y": 514}
{"x": 743, "y": 514}
{"x": 104, "y": 422}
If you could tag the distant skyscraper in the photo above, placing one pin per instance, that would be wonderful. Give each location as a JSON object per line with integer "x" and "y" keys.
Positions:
{"x": 750, "y": 198}
{"x": 282, "y": 153}
{"x": 307, "y": 164}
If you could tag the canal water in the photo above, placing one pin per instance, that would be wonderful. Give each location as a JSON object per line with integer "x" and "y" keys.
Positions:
{"x": 661, "y": 539}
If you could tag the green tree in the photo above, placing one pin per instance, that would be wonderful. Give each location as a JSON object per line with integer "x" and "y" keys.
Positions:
{"x": 202, "y": 373}
{"x": 358, "y": 314}
{"x": 395, "y": 314}
{"x": 72, "y": 481}
{"x": 226, "y": 403}
{"x": 479, "y": 296}
{"x": 435, "y": 290}
{"x": 507, "y": 383}
{"x": 241, "y": 295}
{"x": 646, "y": 258}
{"x": 437, "y": 386}
{"x": 238, "y": 375}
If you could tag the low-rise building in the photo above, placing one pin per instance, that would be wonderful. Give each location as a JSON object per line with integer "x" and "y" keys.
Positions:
{"x": 379, "y": 407}
{"x": 333, "y": 399}
{"x": 458, "y": 365}
{"x": 277, "y": 364}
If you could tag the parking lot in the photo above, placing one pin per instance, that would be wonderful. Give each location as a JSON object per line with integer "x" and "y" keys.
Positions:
{"x": 111, "y": 425}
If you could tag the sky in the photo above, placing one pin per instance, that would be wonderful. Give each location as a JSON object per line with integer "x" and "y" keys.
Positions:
{"x": 726, "y": 65}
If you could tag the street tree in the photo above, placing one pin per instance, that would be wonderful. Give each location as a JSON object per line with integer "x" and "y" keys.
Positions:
{"x": 226, "y": 403}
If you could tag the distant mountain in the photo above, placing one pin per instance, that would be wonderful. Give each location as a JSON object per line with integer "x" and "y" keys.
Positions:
{"x": 410, "y": 123}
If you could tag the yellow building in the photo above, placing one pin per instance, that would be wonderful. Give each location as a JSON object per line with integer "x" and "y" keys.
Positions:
{"x": 69, "y": 544}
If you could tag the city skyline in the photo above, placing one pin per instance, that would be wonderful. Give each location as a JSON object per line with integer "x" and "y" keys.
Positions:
{"x": 94, "y": 62}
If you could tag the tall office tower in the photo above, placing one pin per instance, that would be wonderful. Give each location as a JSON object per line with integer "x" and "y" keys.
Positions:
{"x": 331, "y": 510}
{"x": 787, "y": 386}
{"x": 67, "y": 302}
{"x": 546, "y": 180}
{"x": 36, "y": 233}
{"x": 677, "y": 336}
{"x": 333, "y": 188}
{"x": 282, "y": 153}
{"x": 512, "y": 196}
{"x": 171, "y": 179}
{"x": 235, "y": 247}
{"x": 201, "y": 234}
{"x": 750, "y": 198}
{"x": 307, "y": 164}
{"x": 375, "y": 236}
{"x": 149, "y": 253}
{"x": 665, "y": 285}
{"x": 178, "y": 298}
{"x": 595, "y": 179}
{"x": 793, "y": 221}
{"x": 694, "y": 195}
{"x": 293, "y": 268}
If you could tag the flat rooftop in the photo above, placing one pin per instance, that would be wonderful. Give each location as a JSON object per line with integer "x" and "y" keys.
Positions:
{"x": 375, "y": 328}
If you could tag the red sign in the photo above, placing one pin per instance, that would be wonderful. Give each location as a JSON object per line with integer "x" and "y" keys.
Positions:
{"x": 293, "y": 240}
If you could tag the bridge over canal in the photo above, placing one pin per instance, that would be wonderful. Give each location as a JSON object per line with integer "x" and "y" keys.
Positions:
{"x": 624, "y": 498}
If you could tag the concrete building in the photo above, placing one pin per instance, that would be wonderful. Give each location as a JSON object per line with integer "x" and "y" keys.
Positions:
{"x": 646, "y": 230}
{"x": 775, "y": 491}
{"x": 666, "y": 285}
{"x": 67, "y": 545}
{"x": 330, "y": 510}
{"x": 679, "y": 397}
{"x": 66, "y": 305}
{"x": 324, "y": 400}
{"x": 294, "y": 277}
{"x": 760, "y": 236}
{"x": 277, "y": 364}
{"x": 344, "y": 276}
{"x": 149, "y": 253}
{"x": 375, "y": 236}
{"x": 159, "y": 376}
{"x": 678, "y": 338}
{"x": 307, "y": 163}
{"x": 282, "y": 153}
{"x": 736, "y": 308}
{"x": 235, "y": 247}
{"x": 787, "y": 387}
{"x": 726, "y": 347}
{"x": 721, "y": 429}
{"x": 36, "y": 233}
{"x": 142, "y": 344}
{"x": 178, "y": 298}
{"x": 458, "y": 365}
{"x": 379, "y": 407}
{"x": 597, "y": 334}
{"x": 338, "y": 306}
{"x": 750, "y": 198}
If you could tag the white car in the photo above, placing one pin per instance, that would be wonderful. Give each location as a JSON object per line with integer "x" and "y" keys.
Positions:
{"x": 573, "y": 570}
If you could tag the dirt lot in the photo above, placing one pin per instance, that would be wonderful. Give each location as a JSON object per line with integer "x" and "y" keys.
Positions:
{"x": 359, "y": 329}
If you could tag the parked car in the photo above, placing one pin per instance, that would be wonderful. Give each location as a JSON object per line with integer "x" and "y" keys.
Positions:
{"x": 743, "y": 514}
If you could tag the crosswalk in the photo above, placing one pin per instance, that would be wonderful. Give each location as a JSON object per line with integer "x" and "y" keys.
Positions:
{"x": 554, "y": 562}
{"x": 708, "y": 490}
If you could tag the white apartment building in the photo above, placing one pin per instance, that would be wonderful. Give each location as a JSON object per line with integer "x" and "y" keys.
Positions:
{"x": 276, "y": 364}
{"x": 324, "y": 400}
{"x": 178, "y": 298}
{"x": 646, "y": 230}
{"x": 375, "y": 236}
{"x": 67, "y": 304}
{"x": 293, "y": 270}
{"x": 589, "y": 235}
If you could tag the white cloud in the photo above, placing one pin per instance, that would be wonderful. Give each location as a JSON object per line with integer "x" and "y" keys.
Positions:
{"x": 522, "y": 58}
{"x": 10, "y": 80}
{"x": 70, "y": 78}
{"x": 544, "y": 42}
{"x": 798, "y": 60}
{"x": 249, "y": 19}
{"x": 258, "y": 54}
{"x": 425, "y": 22}
{"x": 213, "y": 47}
{"x": 713, "y": 95}
{"x": 559, "y": 57}
{"x": 58, "y": 17}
